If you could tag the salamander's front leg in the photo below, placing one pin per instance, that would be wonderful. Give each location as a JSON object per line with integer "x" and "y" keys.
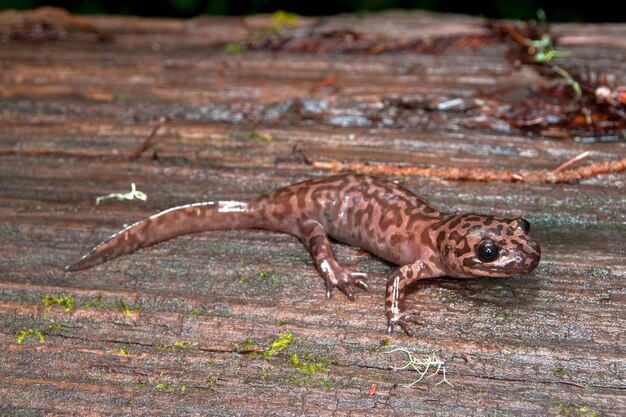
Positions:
{"x": 398, "y": 280}
{"x": 317, "y": 242}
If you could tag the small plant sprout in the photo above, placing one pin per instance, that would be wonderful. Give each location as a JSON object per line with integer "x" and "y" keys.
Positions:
{"x": 543, "y": 52}
{"x": 122, "y": 307}
{"x": 65, "y": 302}
{"x": 22, "y": 334}
{"x": 134, "y": 194}
{"x": 282, "y": 19}
{"x": 422, "y": 366}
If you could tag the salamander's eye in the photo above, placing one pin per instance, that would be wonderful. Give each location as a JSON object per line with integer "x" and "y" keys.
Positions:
{"x": 487, "y": 250}
{"x": 523, "y": 224}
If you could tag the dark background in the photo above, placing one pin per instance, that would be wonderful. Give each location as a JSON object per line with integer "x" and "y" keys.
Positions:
{"x": 564, "y": 11}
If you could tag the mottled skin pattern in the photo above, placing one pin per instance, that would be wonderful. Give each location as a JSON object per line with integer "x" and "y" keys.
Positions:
{"x": 379, "y": 216}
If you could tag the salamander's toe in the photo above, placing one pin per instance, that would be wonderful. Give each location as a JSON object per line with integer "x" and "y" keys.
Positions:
{"x": 404, "y": 320}
{"x": 346, "y": 289}
{"x": 345, "y": 281}
{"x": 359, "y": 279}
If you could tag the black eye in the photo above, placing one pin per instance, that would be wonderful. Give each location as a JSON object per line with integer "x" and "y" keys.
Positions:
{"x": 487, "y": 251}
{"x": 523, "y": 224}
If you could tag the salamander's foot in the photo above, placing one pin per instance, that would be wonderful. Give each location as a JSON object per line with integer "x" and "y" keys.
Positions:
{"x": 345, "y": 280}
{"x": 403, "y": 320}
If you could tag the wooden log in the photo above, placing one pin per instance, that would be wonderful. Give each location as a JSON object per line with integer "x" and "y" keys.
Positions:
{"x": 177, "y": 328}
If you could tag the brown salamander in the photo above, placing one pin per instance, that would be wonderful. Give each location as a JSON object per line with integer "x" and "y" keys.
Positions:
{"x": 379, "y": 216}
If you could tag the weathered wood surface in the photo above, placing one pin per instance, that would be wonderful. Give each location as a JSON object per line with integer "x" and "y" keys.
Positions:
{"x": 71, "y": 111}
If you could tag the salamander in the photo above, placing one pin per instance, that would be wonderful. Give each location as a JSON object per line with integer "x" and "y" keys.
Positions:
{"x": 379, "y": 216}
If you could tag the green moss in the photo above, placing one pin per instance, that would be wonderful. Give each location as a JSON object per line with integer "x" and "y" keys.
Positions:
{"x": 177, "y": 345}
{"x": 236, "y": 48}
{"x": 576, "y": 411}
{"x": 165, "y": 387}
{"x": 22, "y": 334}
{"x": 310, "y": 366}
{"x": 589, "y": 412}
{"x": 306, "y": 369}
{"x": 123, "y": 307}
{"x": 171, "y": 387}
{"x": 279, "y": 344}
{"x": 195, "y": 311}
{"x": 211, "y": 384}
{"x": 248, "y": 345}
{"x": 383, "y": 343}
{"x": 251, "y": 136}
{"x": 326, "y": 383}
{"x": 282, "y": 19}
{"x": 95, "y": 303}
{"x": 559, "y": 372}
{"x": 118, "y": 352}
{"x": 120, "y": 305}
{"x": 66, "y": 302}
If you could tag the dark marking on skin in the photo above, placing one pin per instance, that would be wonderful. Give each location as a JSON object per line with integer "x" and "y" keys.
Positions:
{"x": 455, "y": 223}
{"x": 463, "y": 249}
{"x": 396, "y": 239}
{"x": 470, "y": 262}
{"x": 441, "y": 236}
{"x": 456, "y": 237}
{"x": 380, "y": 216}
{"x": 390, "y": 218}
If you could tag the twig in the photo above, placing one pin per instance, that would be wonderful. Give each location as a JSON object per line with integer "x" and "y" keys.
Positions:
{"x": 572, "y": 161}
{"x": 477, "y": 174}
{"x": 146, "y": 143}
{"x": 330, "y": 81}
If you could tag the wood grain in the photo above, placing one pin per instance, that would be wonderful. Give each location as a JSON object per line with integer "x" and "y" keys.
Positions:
{"x": 72, "y": 111}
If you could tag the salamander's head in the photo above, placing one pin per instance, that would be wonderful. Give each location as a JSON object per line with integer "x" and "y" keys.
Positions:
{"x": 472, "y": 245}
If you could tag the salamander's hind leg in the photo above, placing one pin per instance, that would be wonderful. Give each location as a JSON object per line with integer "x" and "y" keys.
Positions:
{"x": 316, "y": 241}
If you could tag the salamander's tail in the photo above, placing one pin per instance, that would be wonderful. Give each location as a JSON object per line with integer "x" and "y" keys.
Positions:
{"x": 191, "y": 218}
